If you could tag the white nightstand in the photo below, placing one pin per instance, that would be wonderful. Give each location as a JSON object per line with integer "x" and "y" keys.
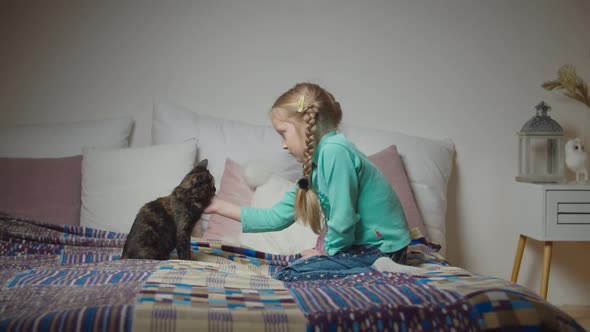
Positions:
{"x": 549, "y": 213}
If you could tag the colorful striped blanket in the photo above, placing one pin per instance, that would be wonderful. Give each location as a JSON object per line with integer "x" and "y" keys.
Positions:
{"x": 64, "y": 278}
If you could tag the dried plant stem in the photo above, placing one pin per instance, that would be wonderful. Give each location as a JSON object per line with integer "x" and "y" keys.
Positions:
{"x": 577, "y": 91}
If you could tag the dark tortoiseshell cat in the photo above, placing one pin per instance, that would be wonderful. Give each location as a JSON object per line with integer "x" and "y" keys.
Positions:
{"x": 167, "y": 222}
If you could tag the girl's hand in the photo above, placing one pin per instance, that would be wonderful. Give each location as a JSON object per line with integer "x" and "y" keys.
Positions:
{"x": 224, "y": 208}
{"x": 310, "y": 253}
{"x": 213, "y": 206}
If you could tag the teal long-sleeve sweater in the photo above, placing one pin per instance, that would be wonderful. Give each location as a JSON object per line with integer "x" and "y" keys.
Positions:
{"x": 359, "y": 205}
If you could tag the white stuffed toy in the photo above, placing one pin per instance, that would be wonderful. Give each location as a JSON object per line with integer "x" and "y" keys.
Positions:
{"x": 268, "y": 190}
{"x": 256, "y": 173}
{"x": 576, "y": 159}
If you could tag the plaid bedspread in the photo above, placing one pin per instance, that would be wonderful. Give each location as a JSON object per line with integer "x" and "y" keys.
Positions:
{"x": 64, "y": 278}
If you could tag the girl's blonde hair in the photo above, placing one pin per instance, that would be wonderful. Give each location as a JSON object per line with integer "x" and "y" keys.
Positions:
{"x": 310, "y": 104}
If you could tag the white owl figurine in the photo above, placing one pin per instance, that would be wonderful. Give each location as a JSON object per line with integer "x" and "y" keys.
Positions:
{"x": 576, "y": 159}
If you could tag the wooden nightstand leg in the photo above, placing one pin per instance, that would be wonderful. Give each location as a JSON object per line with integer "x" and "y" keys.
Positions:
{"x": 546, "y": 268}
{"x": 518, "y": 258}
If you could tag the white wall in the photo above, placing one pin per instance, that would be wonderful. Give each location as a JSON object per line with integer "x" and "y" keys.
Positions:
{"x": 467, "y": 70}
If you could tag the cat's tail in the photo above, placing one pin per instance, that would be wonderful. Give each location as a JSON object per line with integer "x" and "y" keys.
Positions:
{"x": 124, "y": 252}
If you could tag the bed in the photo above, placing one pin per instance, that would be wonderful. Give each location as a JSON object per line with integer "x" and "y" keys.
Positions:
{"x": 60, "y": 267}
{"x": 70, "y": 278}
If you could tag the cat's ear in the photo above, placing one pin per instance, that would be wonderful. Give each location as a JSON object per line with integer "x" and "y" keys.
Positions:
{"x": 203, "y": 163}
{"x": 186, "y": 182}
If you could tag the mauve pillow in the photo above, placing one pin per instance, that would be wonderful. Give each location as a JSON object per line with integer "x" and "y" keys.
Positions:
{"x": 48, "y": 189}
{"x": 390, "y": 164}
{"x": 234, "y": 189}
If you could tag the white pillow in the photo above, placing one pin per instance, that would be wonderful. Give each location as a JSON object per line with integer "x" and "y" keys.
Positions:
{"x": 428, "y": 164}
{"x": 64, "y": 139}
{"x": 117, "y": 183}
{"x": 219, "y": 139}
{"x": 291, "y": 240}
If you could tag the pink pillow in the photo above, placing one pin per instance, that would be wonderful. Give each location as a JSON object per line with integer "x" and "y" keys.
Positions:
{"x": 234, "y": 189}
{"x": 390, "y": 164}
{"x": 48, "y": 189}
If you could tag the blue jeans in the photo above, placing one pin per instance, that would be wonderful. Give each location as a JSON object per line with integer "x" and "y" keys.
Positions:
{"x": 357, "y": 259}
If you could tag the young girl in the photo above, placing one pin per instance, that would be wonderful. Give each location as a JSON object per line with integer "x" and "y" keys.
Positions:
{"x": 363, "y": 217}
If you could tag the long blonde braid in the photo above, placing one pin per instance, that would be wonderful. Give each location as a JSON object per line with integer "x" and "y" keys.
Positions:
{"x": 309, "y": 118}
{"x": 307, "y": 205}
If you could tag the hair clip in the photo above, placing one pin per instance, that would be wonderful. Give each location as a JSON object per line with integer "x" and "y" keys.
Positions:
{"x": 303, "y": 183}
{"x": 301, "y": 104}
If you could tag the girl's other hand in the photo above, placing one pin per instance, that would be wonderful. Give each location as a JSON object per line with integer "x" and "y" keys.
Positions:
{"x": 310, "y": 253}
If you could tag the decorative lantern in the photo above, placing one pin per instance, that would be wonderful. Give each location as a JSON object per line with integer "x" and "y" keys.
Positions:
{"x": 541, "y": 149}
